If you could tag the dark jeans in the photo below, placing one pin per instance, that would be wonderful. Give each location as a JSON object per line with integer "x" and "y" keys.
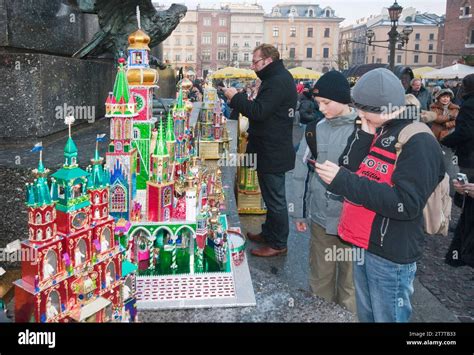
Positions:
{"x": 276, "y": 227}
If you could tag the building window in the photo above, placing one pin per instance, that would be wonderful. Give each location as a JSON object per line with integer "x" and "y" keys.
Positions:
{"x": 399, "y": 46}
{"x": 178, "y": 41}
{"x": 310, "y": 31}
{"x": 326, "y": 32}
{"x": 222, "y": 55}
{"x": 222, "y": 22}
{"x": 292, "y": 53}
{"x": 417, "y": 47}
{"x": 221, "y": 38}
{"x": 466, "y": 11}
{"x": 189, "y": 41}
{"x": 257, "y": 44}
{"x": 275, "y": 32}
{"x": 207, "y": 21}
{"x": 432, "y": 37}
{"x": 325, "y": 52}
{"x": 430, "y": 58}
{"x": 310, "y": 13}
{"x": 379, "y": 60}
{"x": 328, "y": 13}
{"x": 206, "y": 38}
{"x": 178, "y": 58}
{"x": 246, "y": 44}
{"x": 235, "y": 56}
{"x": 190, "y": 28}
{"x": 292, "y": 31}
{"x": 189, "y": 57}
{"x": 472, "y": 37}
{"x": 206, "y": 54}
{"x": 309, "y": 52}
{"x": 415, "y": 58}
{"x": 373, "y": 59}
{"x": 246, "y": 57}
{"x": 417, "y": 36}
{"x": 430, "y": 47}
{"x": 399, "y": 58}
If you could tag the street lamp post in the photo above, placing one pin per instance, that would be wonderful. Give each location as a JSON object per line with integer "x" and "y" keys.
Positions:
{"x": 394, "y": 36}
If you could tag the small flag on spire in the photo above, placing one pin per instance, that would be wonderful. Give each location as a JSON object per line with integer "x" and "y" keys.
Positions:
{"x": 69, "y": 120}
{"x": 101, "y": 137}
{"x": 37, "y": 147}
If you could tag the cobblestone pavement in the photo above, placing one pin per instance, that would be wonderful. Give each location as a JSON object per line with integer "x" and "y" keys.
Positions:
{"x": 454, "y": 287}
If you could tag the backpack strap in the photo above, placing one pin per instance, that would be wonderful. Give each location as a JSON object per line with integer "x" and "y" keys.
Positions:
{"x": 409, "y": 131}
{"x": 310, "y": 136}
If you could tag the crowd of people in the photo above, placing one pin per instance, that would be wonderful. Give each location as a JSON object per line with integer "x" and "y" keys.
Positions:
{"x": 374, "y": 158}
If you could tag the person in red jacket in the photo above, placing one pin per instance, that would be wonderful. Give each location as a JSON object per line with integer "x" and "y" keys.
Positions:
{"x": 383, "y": 203}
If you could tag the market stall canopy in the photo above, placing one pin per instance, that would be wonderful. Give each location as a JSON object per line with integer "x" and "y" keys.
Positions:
{"x": 234, "y": 73}
{"x": 454, "y": 71}
{"x": 420, "y": 72}
{"x": 303, "y": 73}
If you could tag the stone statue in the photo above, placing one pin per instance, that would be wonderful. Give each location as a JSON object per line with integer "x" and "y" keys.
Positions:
{"x": 118, "y": 18}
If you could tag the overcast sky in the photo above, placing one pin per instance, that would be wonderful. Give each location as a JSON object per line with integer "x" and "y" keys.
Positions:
{"x": 351, "y": 10}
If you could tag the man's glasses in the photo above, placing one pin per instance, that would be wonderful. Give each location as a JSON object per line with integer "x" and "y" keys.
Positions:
{"x": 256, "y": 61}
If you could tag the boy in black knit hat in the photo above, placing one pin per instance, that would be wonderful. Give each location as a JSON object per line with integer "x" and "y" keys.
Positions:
{"x": 330, "y": 276}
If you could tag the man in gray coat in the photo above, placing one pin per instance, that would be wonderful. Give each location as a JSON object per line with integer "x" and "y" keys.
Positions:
{"x": 421, "y": 93}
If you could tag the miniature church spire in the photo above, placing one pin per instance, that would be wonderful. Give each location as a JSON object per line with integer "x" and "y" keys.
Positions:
{"x": 161, "y": 149}
{"x": 70, "y": 150}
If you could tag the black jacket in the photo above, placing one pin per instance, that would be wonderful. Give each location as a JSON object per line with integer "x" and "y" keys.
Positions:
{"x": 396, "y": 231}
{"x": 271, "y": 116}
{"x": 309, "y": 110}
{"x": 462, "y": 139}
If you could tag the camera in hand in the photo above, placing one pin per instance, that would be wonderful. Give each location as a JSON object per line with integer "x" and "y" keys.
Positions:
{"x": 462, "y": 178}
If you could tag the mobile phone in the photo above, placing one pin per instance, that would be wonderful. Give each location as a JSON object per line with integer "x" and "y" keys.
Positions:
{"x": 462, "y": 178}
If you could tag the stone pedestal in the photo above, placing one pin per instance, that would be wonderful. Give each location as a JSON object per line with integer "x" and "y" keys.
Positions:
{"x": 39, "y": 90}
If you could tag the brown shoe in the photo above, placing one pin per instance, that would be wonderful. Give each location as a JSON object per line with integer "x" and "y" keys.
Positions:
{"x": 267, "y": 252}
{"x": 257, "y": 238}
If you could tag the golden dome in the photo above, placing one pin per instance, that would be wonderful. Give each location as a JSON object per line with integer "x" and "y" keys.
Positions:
{"x": 186, "y": 84}
{"x": 142, "y": 76}
{"x": 138, "y": 40}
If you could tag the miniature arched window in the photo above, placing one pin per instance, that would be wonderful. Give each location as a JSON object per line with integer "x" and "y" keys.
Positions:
{"x": 118, "y": 199}
{"x": 80, "y": 253}
{"x": 110, "y": 274}
{"x": 118, "y": 146}
{"x": 62, "y": 192}
{"x": 50, "y": 266}
{"x": 310, "y": 13}
{"x": 73, "y": 160}
{"x": 48, "y": 216}
{"x": 39, "y": 234}
{"x": 128, "y": 129}
{"x": 127, "y": 289}
{"x": 294, "y": 12}
{"x": 167, "y": 196}
{"x": 136, "y": 133}
{"x": 38, "y": 218}
{"x": 48, "y": 233}
{"x": 52, "y": 305}
{"x": 105, "y": 240}
{"x": 77, "y": 190}
{"x": 96, "y": 198}
{"x": 104, "y": 197}
{"x": 104, "y": 212}
{"x": 118, "y": 129}
{"x": 328, "y": 13}
{"x": 112, "y": 131}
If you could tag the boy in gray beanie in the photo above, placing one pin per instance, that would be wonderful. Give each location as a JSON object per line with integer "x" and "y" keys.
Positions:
{"x": 330, "y": 276}
{"x": 383, "y": 207}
